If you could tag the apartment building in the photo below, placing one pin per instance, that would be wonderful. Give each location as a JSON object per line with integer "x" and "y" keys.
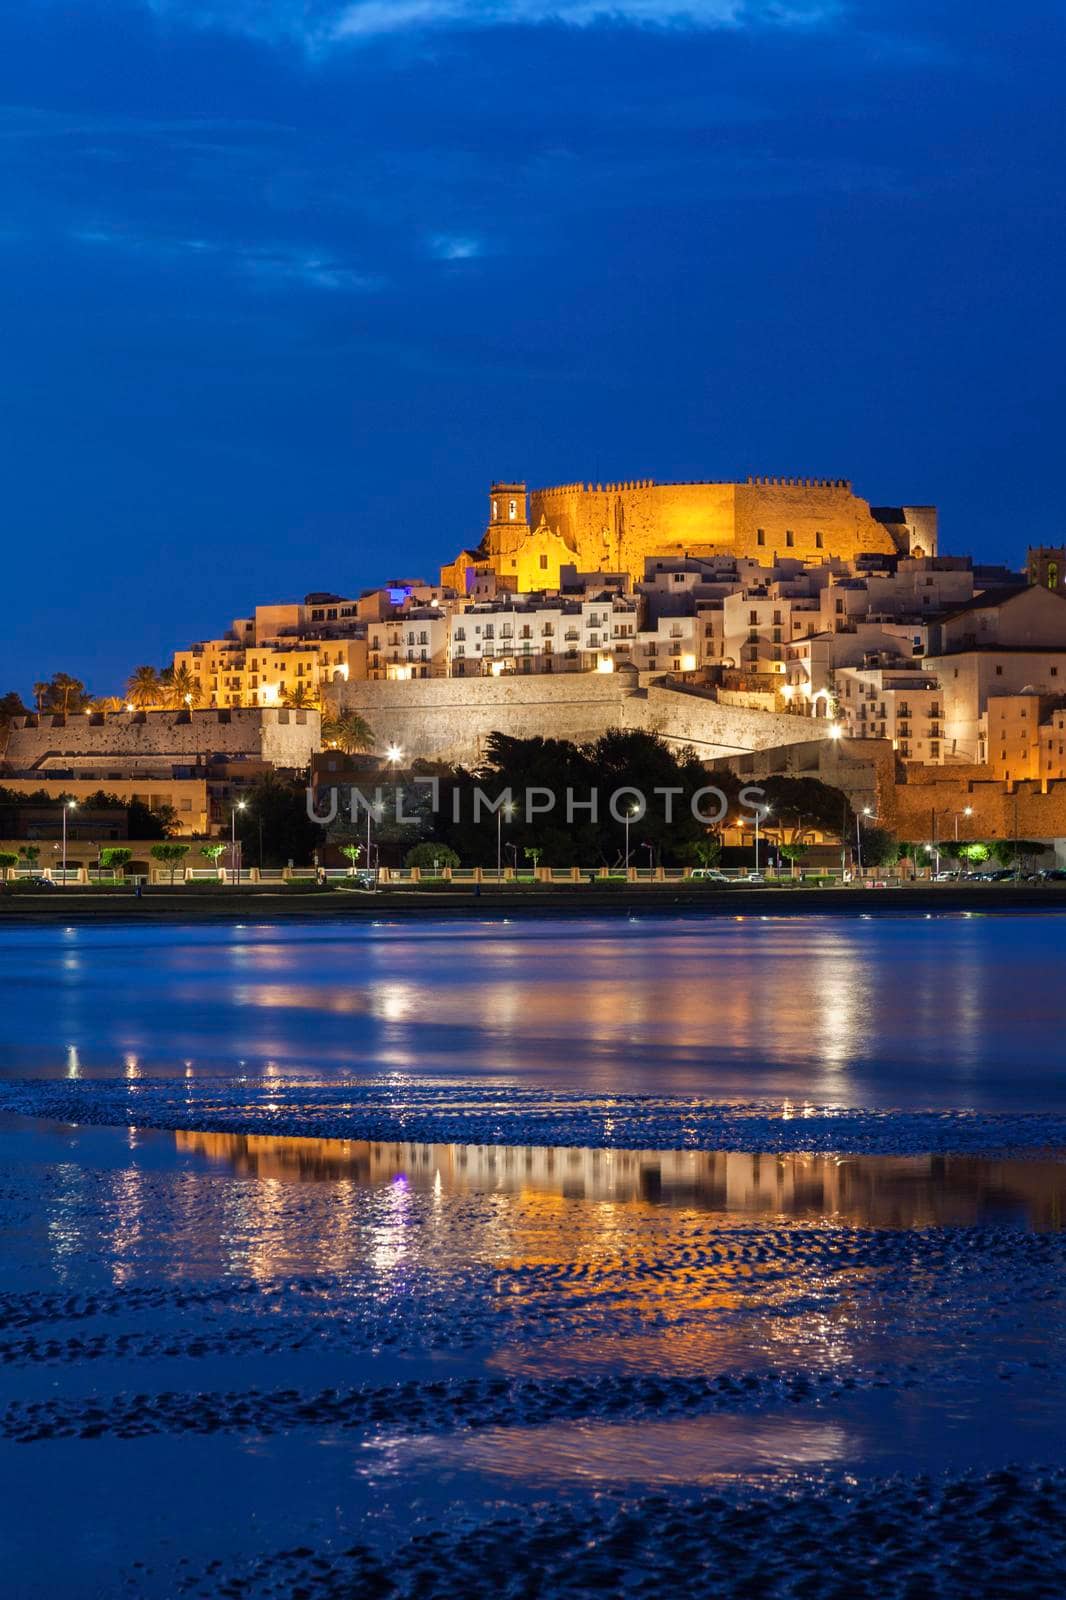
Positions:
{"x": 897, "y": 701}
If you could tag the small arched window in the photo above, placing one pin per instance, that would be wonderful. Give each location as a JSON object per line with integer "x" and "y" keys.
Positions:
{"x": 512, "y": 509}
{"x": 1052, "y": 574}
{"x": 495, "y": 509}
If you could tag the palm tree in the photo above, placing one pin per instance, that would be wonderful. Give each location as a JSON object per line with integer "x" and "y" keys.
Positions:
{"x": 182, "y": 687}
{"x": 300, "y": 698}
{"x": 66, "y": 693}
{"x": 106, "y": 702}
{"x": 348, "y": 731}
{"x": 40, "y": 695}
{"x": 145, "y": 688}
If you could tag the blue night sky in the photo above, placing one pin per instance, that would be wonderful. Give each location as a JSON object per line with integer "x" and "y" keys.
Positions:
{"x": 286, "y": 282}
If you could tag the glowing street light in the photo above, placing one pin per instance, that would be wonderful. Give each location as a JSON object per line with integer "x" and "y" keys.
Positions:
{"x": 967, "y": 811}
{"x": 761, "y": 812}
{"x": 239, "y": 805}
{"x": 836, "y": 731}
{"x": 393, "y": 754}
{"x": 68, "y": 805}
{"x": 508, "y": 808}
{"x": 633, "y": 811}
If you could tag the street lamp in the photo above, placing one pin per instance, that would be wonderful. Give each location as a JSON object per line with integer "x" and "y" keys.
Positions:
{"x": 508, "y": 807}
{"x": 238, "y": 806}
{"x": 393, "y": 754}
{"x": 630, "y": 814}
{"x": 967, "y": 811}
{"x": 760, "y": 813}
{"x": 867, "y": 812}
{"x": 68, "y": 805}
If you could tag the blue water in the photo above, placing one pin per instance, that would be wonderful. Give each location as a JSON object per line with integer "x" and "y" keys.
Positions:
{"x": 881, "y": 1011}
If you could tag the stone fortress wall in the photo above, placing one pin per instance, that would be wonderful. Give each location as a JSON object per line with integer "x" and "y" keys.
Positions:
{"x": 614, "y": 527}
{"x": 450, "y": 719}
{"x": 285, "y": 738}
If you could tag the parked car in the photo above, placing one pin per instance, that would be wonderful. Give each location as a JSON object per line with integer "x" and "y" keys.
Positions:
{"x": 710, "y": 875}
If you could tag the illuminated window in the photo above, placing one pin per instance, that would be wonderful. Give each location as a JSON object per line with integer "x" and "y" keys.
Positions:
{"x": 512, "y": 509}
{"x": 1052, "y": 574}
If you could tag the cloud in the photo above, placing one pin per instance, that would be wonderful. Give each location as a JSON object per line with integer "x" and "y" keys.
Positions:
{"x": 271, "y": 266}
{"x": 319, "y": 24}
{"x": 454, "y": 247}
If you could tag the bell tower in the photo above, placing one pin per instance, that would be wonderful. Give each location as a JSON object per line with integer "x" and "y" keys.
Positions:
{"x": 507, "y": 507}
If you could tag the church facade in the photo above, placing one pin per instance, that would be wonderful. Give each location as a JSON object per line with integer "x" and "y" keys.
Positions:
{"x": 614, "y": 527}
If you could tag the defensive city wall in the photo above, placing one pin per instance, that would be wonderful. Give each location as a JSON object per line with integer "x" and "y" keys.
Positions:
{"x": 448, "y": 719}
{"x": 281, "y": 737}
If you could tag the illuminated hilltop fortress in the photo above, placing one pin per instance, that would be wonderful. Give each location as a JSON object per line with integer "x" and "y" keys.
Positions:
{"x": 613, "y": 527}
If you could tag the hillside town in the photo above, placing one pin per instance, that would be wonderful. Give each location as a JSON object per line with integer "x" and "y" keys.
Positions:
{"x": 927, "y": 688}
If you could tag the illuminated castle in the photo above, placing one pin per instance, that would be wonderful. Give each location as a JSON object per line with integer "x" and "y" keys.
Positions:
{"x": 614, "y": 527}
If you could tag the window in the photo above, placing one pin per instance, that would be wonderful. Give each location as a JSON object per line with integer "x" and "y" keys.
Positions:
{"x": 512, "y": 509}
{"x": 753, "y": 618}
{"x": 495, "y": 510}
{"x": 760, "y": 536}
{"x": 789, "y": 538}
{"x": 1052, "y": 574}
{"x": 818, "y": 541}
{"x": 543, "y": 563}
{"x": 999, "y": 672}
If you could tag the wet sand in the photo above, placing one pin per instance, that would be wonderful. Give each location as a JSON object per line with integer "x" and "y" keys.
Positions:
{"x": 492, "y": 1267}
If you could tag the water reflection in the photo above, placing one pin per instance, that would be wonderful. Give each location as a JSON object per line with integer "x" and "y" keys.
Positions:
{"x": 869, "y": 1191}
{"x": 755, "y": 1007}
{"x": 701, "y": 1451}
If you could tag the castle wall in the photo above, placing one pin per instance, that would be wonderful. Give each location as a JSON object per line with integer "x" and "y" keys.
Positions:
{"x": 448, "y": 719}
{"x": 616, "y": 526}
{"x": 286, "y": 738}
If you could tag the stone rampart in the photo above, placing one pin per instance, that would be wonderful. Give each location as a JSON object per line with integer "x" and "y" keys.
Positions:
{"x": 449, "y": 719}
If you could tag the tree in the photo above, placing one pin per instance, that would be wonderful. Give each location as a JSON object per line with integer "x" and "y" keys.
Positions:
{"x": 351, "y": 853}
{"x": 213, "y": 853}
{"x": 1009, "y": 851}
{"x": 793, "y": 853}
{"x": 182, "y": 686}
{"x": 169, "y": 854}
{"x": 30, "y": 854}
{"x": 804, "y": 806}
{"x": 106, "y": 703}
{"x": 348, "y": 731}
{"x": 11, "y": 706}
{"x": 976, "y": 852}
{"x": 880, "y": 847}
{"x": 276, "y": 814}
{"x": 532, "y": 853}
{"x": 116, "y": 858}
{"x": 8, "y": 859}
{"x": 708, "y": 852}
{"x": 300, "y": 697}
{"x": 428, "y": 854}
{"x": 145, "y": 689}
{"x": 64, "y": 694}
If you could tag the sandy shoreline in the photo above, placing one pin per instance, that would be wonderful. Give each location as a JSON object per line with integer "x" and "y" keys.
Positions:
{"x": 645, "y": 899}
